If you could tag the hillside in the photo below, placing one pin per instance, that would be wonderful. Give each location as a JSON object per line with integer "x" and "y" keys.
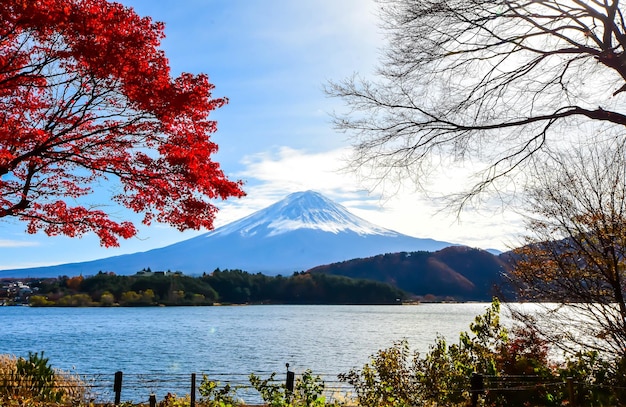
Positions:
{"x": 456, "y": 273}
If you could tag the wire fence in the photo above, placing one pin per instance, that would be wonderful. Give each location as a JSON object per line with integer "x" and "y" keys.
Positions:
{"x": 538, "y": 391}
{"x": 116, "y": 388}
{"x": 138, "y": 388}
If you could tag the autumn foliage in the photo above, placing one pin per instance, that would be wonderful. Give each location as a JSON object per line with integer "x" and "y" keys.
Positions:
{"x": 573, "y": 262}
{"x": 86, "y": 96}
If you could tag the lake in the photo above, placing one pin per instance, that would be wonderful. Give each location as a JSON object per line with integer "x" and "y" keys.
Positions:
{"x": 225, "y": 341}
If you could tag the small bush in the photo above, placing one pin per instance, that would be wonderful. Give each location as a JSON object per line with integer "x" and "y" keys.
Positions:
{"x": 171, "y": 400}
{"x": 215, "y": 396}
{"x": 33, "y": 382}
{"x": 387, "y": 381}
{"x": 308, "y": 391}
{"x": 272, "y": 393}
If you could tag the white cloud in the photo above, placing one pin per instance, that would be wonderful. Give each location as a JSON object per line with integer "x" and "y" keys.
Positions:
{"x": 5, "y": 243}
{"x": 293, "y": 170}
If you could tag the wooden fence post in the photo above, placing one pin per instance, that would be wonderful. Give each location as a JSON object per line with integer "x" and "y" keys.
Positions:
{"x": 291, "y": 376}
{"x": 477, "y": 387}
{"x": 570, "y": 391}
{"x": 289, "y": 384}
{"x": 193, "y": 390}
{"x": 152, "y": 400}
{"x": 117, "y": 387}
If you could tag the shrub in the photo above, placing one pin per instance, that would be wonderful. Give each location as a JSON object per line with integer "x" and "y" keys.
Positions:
{"x": 75, "y": 300}
{"x": 397, "y": 378}
{"x": 308, "y": 391}
{"x": 132, "y": 298}
{"x": 272, "y": 393}
{"x": 39, "y": 301}
{"x": 598, "y": 382}
{"x": 34, "y": 382}
{"x": 107, "y": 299}
{"x": 215, "y": 396}
{"x": 171, "y": 400}
{"x": 387, "y": 381}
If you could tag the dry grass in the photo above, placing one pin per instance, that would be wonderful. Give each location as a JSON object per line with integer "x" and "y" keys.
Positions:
{"x": 17, "y": 391}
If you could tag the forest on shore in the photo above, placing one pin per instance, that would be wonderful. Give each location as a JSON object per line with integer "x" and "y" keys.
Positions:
{"x": 219, "y": 287}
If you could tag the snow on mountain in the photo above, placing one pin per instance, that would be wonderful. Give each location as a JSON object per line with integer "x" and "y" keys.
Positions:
{"x": 302, "y": 231}
{"x": 301, "y": 210}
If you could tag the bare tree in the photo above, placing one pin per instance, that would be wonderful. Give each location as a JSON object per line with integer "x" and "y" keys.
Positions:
{"x": 575, "y": 253}
{"x": 493, "y": 82}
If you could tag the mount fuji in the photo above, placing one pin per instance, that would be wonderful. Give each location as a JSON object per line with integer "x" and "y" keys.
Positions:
{"x": 302, "y": 231}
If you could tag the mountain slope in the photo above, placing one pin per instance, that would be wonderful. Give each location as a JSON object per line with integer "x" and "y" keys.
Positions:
{"x": 457, "y": 272}
{"x": 302, "y": 231}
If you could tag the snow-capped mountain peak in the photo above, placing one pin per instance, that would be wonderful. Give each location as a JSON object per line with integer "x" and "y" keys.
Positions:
{"x": 302, "y": 231}
{"x": 301, "y": 210}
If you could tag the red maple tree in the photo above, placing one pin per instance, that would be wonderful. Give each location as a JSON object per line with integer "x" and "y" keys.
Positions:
{"x": 86, "y": 94}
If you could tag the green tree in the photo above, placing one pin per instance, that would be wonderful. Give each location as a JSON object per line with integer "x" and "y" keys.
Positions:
{"x": 101, "y": 283}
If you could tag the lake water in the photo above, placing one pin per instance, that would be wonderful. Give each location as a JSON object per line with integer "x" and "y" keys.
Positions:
{"x": 228, "y": 340}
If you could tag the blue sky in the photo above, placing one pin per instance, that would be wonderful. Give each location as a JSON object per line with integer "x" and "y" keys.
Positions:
{"x": 272, "y": 59}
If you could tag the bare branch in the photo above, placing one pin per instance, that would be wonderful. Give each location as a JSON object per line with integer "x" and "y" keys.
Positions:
{"x": 494, "y": 82}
